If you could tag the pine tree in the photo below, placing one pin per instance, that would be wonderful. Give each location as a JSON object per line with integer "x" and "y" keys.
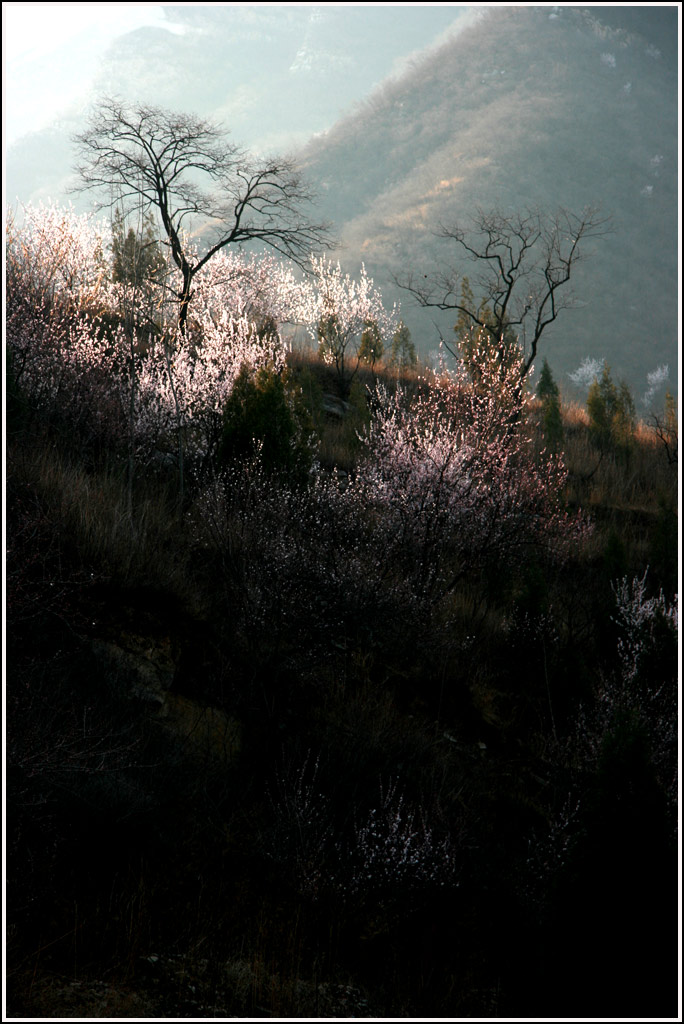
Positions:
{"x": 403, "y": 352}
{"x": 612, "y": 417}
{"x": 552, "y": 419}
{"x": 479, "y": 336}
{"x": 136, "y": 256}
{"x": 371, "y": 347}
{"x": 265, "y": 415}
{"x": 547, "y": 387}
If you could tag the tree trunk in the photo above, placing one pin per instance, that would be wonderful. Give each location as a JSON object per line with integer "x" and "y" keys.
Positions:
{"x": 184, "y": 302}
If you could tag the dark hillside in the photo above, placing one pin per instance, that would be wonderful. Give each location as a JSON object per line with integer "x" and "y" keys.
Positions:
{"x": 241, "y": 784}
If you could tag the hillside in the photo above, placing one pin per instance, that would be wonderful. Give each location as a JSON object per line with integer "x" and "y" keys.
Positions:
{"x": 518, "y": 107}
{"x": 331, "y": 691}
{"x": 528, "y": 107}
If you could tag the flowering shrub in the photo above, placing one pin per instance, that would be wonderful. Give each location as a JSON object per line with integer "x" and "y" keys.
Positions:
{"x": 622, "y": 754}
{"x": 237, "y": 285}
{"x": 394, "y": 850}
{"x": 643, "y": 623}
{"x": 56, "y": 287}
{"x": 184, "y": 386}
{"x": 586, "y": 372}
{"x": 391, "y": 853}
{"x": 635, "y": 706}
{"x": 454, "y": 476}
{"x": 87, "y": 344}
{"x": 336, "y": 309}
{"x": 56, "y": 259}
{"x": 656, "y": 379}
{"x": 449, "y": 485}
{"x": 304, "y": 568}
{"x": 86, "y": 338}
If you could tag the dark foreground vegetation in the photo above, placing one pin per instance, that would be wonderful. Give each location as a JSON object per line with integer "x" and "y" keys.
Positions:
{"x": 348, "y": 738}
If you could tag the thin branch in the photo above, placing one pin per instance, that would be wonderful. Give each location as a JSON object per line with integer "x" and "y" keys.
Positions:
{"x": 526, "y": 261}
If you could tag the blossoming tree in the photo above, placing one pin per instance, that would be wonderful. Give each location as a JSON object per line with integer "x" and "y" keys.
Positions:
{"x": 74, "y": 346}
{"x": 336, "y": 309}
{"x": 454, "y": 477}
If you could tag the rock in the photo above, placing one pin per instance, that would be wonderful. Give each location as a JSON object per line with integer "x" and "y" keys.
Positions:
{"x": 335, "y": 406}
{"x": 145, "y": 668}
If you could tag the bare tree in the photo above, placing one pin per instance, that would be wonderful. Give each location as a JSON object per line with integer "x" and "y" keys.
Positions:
{"x": 184, "y": 166}
{"x": 523, "y": 263}
{"x": 666, "y": 429}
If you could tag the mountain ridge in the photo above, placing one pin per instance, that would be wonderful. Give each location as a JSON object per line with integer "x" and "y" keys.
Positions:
{"x": 518, "y": 107}
{"x": 566, "y": 111}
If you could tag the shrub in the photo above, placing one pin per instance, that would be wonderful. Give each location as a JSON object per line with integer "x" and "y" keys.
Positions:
{"x": 304, "y": 569}
{"x": 264, "y": 415}
{"x": 552, "y": 419}
{"x": 337, "y": 310}
{"x": 394, "y": 851}
{"x": 403, "y": 353}
{"x": 454, "y": 481}
{"x": 371, "y": 347}
{"x": 78, "y": 348}
{"x": 612, "y": 418}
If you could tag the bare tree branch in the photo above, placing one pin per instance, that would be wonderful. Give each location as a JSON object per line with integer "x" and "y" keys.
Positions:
{"x": 666, "y": 430}
{"x": 184, "y": 166}
{"x": 523, "y": 263}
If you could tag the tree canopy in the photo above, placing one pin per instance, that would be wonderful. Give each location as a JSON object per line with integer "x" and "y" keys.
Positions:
{"x": 186, "y": 168}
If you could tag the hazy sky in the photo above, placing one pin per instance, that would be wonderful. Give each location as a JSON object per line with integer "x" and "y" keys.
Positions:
{"x": 40, "y": 41}
{"x": 54, "y": 51}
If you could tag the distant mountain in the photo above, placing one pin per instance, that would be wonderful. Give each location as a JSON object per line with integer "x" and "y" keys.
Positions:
{"x": 562, "y": 106}
{"x": 273, "y": 74}
{"x": 527, "y": 107}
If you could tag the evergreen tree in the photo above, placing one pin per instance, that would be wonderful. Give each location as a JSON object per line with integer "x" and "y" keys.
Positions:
{"x": 552, "y": 419}
{"x": 136, "y": 256}
{"x": 612, "y": 417}
{"x": 371, "y": 347}
{"x": 547, "y": 387}
{"x": 480, "y": 336}
{"x": 403, "y": 352}
{"x": 264, "y": 415}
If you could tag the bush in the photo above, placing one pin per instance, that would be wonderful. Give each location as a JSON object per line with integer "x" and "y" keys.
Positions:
{"x": 552, "y": 419}
{"x": 264, "y": 415}
{"x": 455, "y": 484}
{"x": 612, "y": 418}
{"x": 403, "y": 352}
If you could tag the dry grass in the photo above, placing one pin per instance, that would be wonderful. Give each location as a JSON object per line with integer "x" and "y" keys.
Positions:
{"x": 132, "y": 536}
{"x": 633, "y": 482}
